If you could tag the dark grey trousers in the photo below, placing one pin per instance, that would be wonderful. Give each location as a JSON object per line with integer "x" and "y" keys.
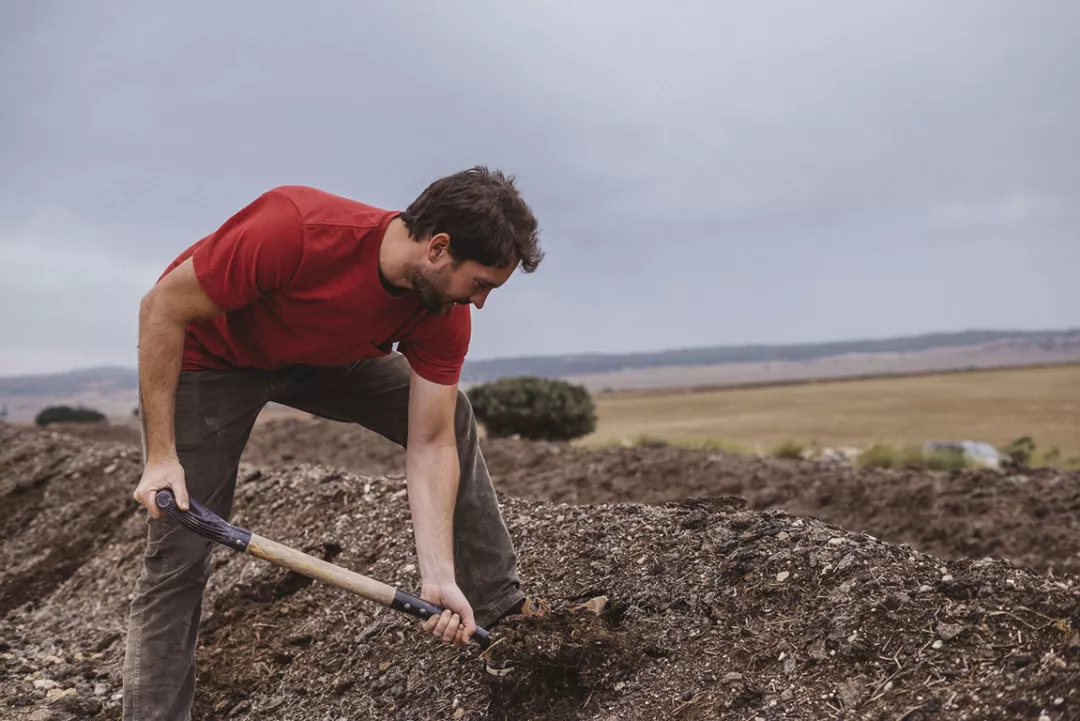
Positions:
{"x": 215, "y": 412}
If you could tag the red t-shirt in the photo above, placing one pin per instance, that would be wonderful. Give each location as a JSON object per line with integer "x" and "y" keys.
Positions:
{"x": 297, "y": 272}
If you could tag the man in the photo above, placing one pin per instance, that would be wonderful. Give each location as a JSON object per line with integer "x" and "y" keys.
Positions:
{"x": 297, "y": 299}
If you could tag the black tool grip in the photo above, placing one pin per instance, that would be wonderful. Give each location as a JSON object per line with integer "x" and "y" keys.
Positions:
{"x": 407, "y": 603}
{"x": 203, "y": 521}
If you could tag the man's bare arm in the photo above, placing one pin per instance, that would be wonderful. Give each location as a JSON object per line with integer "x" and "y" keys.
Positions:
{"x": 432, "y": 468}
{"x": 164, "y": 313}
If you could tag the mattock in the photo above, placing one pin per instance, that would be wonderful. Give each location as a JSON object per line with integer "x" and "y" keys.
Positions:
{"x": 201, "y": 520}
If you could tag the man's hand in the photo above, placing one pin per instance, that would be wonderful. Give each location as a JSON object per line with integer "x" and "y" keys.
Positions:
{"x": 456, "y": 624}
{"x": 158, "y": 475}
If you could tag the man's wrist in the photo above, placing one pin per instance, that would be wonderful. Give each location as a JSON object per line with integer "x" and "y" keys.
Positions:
{"x": 438, "y": 577}
{"x": 162, "y": 457}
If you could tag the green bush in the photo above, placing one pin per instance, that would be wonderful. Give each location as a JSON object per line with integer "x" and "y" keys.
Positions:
{"x": 67, "y": 414}
{"x": 882, "y": 455}
{"x": 1020, "y": 451}
{"x": 879, "y": 455}
{"x": 789, "y": 450}
{"x": 534, "y": 408}
{"x": 945, "y": 459}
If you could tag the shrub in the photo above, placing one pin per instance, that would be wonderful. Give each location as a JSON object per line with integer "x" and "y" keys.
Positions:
{"x": 879, "y": 455}
{"x": 1020, "y": 451}
{"x": 534, "y": 408}
{"x": 67, "y": 414}
{"x": 722, "y": 445}
{"x": 789, "y": 449}
{"x": 946, "y": 459}
{"x": 882, "y": 455}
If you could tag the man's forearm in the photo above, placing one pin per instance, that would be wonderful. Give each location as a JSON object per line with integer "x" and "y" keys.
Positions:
{"x": 161, "y": 346}
{"x": 432, "y": 470}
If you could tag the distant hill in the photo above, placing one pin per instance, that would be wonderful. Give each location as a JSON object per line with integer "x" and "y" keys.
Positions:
{"x": 588, "y": 364}
{"x": 103, "y": 379}
{"x": 114, "y": 390}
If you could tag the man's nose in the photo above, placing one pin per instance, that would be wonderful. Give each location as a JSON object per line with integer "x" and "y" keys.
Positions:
{"x": 479, "y": 299}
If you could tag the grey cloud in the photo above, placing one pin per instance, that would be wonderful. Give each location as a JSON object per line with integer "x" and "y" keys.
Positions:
{"x": 703, "y": 174}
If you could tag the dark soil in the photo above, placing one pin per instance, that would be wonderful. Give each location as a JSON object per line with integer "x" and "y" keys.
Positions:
{"x": 1031, "y": 518}
{"x": 708, "y": 610}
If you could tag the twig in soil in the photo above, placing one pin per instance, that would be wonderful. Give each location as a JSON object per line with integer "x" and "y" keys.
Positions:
{"x": 878, "y": 693}
{"x": 679, "y": 709}
{"x": 904, "y": 715}
{"x": 587, "y": 700}
{"x": 1007, "y": 613}
{"x": 1040, "y": 615}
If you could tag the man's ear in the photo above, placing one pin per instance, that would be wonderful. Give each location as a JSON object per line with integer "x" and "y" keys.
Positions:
{"x": 438, "y": 247}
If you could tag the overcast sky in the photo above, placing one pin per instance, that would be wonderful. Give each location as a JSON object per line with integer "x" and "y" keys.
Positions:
{"x": 704, "y": 173}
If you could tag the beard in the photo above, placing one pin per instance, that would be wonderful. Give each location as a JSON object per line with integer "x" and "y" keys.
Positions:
{"x": 430, "y": 290}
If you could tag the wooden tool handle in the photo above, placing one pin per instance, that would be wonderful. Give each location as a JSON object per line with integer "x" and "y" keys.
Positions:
{"x": 201, "y": 520}
{"x": 319, "y": 569}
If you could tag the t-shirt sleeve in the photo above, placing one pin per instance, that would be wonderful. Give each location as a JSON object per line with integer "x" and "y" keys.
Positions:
{"x": 436, "y": 348}
{"x": 255, "y": 252}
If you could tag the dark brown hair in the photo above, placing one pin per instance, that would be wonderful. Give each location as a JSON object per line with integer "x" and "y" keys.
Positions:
{"x": 484, "y": 215}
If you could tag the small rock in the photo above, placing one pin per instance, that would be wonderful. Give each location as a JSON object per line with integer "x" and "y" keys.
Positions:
{"x": 459, "y": 713}
{"x": 845, "y": 562}
{"x": 836, "y": 541}
{"x": 850, "y": 693}
{"x": 110, "y": 468}
{"x": 947, "y": 577}
{"x": 100, "y": 689}
{"x": 55, "y": 693}
{"x": 949, "y": 631}
{"x": 1054, "y": 661}
{"x": 45, "y": 683}
{"x": 783, "y": 536}
{"x": 732, "y": 677}
{"x": 596, "y": 605}
{"x": 1058, "y": 701}
{"x": 896, "y": 600}
{"x": 937, "y": 644}
{"x": 695, "y": 520}
{"x": 782, "y": 576}
{"x": 925, "y": 589}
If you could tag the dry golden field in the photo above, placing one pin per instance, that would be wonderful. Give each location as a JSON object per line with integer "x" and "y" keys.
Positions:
{"x": 995, "y": 406}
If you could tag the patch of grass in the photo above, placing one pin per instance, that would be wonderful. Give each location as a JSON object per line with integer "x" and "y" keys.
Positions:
{"x": 648, "y": 441}
{"x": 945, "y": 460}
{"x": 994, "y": 406}
{"x": 879, "y": 455}
{"x": 789, "y": 450}
{"x": 883, "y": 455}
{"x": 722, "y": 445}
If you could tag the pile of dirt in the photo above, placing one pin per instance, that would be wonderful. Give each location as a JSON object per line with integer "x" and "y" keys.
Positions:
{"x": 700, "y": 609}
{"x": 1031, "y": 518}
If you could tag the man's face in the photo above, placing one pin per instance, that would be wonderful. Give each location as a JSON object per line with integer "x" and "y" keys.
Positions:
{"x": 444, "y": 282}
